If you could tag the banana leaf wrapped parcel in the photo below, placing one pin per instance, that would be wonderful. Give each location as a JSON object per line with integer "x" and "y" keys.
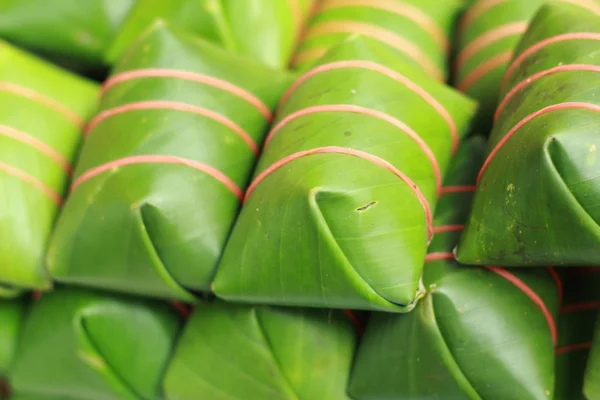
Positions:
{"x": 238, "y": 352}
{"x": 477, "y": 333}
{"x": 418, "y": 31}
{"x": 87, "y": 345}
{"x": 578, "y": 313}
{"x": 488, "y": 34}
{"x": 163, "y": 167}
{"x": 42, "y": 112}
{"x": 537, "y": 194}
{"x": 338, "y": 214}
{"x": 95, "y": 35}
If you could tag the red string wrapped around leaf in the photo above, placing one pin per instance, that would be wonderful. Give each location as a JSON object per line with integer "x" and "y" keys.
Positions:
{"x": 163, "y": 168}
{"x": 536, "y": 200}
{"x": 339, "y": 211}
{"x": 478, "y": 333}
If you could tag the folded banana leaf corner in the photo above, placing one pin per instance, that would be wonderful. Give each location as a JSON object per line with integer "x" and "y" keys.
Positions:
{"x": 578, "y": 314}
{"x": 537, "y": 193}
{"x": 418, "y": 31}
{"x": 87, "y": 345}
{"x": 478, "y": 333}
{"x": 238, "y": 352}
{"x": 42, "y": 112}
{"x": 163, "y": 167}
{"x": 339, "y": 211}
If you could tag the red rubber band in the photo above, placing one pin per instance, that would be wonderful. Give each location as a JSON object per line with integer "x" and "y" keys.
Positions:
{"x": 38, "y": 145}
{"x": 436, "y": 256}
{"x": 176, "y": 106}
{"x": 535, "y": 77}
{"x": 351, "y": 152}
{"x": 592, "y": 305}
{"x": 519, "y": 125}
{"x": 489, "y": 38}
{"x": 159, "y": 159}
{"x": 458, "y": 189}
{"x": 531, "y": 294}
{"x": 447, "y": 228}
{"x": 192, "y": 77}
{"x": 544, "y": 43}
{"x": 483, "y": 69}
{"x": 36, "y": 183}
{"x": 46, "y": 101}
{"x": 403, "y": 9}
{"x": 573, "y": 347}
{"x": 371, "y": 66}
{"x": 364, "y": 111}
{"x": 383, "y": 35}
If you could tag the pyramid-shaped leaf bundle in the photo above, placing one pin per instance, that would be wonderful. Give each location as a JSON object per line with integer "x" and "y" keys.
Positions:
{"x": 163, "y": 167}
{"x": 42, "y": 112}
{"x": 478, "y": 333}
{"x": 339, "y": 211}
{"x": 233, "y": 352}
{"x": 537, "y": 192}
{"x": 417, "y": 31}
{"x": 87, "y": 345}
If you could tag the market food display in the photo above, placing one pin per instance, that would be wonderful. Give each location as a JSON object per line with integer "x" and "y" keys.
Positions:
{"x": 299, "y": 200}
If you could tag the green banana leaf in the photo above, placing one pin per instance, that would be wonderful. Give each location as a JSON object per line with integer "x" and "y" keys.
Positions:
{"x": 68, "y": 30}
{"x": 42, "y": 109}
{"x": 592, "y": 374}
{"x": 478, "y": 333}
{"x": 536, "y": 201}
{"x": 338, "y": 214}
{"x": 578, "y": 312}
{"x": 163, "y": 168}
{"x": 231, "y": 352}
{"x": 87, "y": 345}
{"x": 266, "y": 30}
{"x": 11, "y": 318}
{"x": 418, "y": 31}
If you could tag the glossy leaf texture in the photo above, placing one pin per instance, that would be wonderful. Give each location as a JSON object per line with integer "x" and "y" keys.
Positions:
{"x": 42, "y": 111}
{"x": 265, "y": 30}
{"x": 339, "y": 212}
{"x": 537, "y": 195}
{"x": 87, "y": 345}
{"x": 11, "y": 319}
{"x": 231, "y": 352}
{"x": 64, "y": 29}
{"x": 477, "y": 333}
{"x": 578, "y": 314}
{"x": 418, "y": 31}
{"x": 488, "y": 33}
{"x": 592, "y": 374}
{"x": 163, "y": 168}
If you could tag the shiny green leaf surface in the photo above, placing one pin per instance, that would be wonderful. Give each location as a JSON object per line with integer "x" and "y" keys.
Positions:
{"x": 42, "y": 109}
{"x": 11, "y": 318}
{"x": 265, "y": 30}
{"x": 478, "y": 333}
{"x": 537, "y": 197}
{"x": 64, "y": 29}
{"x": 160, "y": 177}
{"x": 86, "y": 345}
{"x": 576, "y": 322}
{"x": 418, "y": 31}
{"x": 337, "y": 215}
{"x": 236, "y": 352}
